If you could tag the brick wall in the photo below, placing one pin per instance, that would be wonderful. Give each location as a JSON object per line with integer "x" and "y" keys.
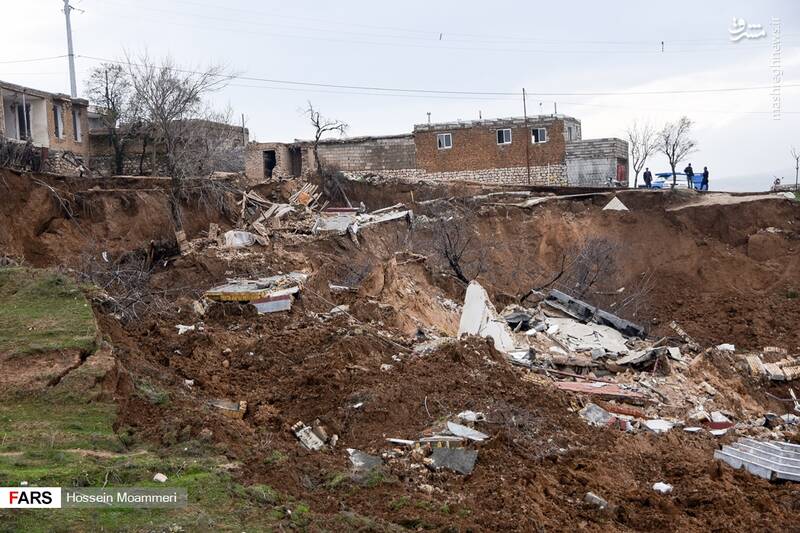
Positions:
{"x": 67, "y": 140}
{"x": 593, "y": 162}
{"x": 475, "y": 146}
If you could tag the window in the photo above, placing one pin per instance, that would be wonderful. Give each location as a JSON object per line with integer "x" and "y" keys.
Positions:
{"x": 76, "y": 124}
{"x": 570, "y": 135}
{"x": 504, "y": 136}
{"x": 444, "y": 141}
{"x": 58, "y": 118}
{"x": 538, "y": 135}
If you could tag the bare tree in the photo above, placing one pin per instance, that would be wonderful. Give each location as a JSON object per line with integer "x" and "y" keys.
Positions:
{"x": 454, "y": 242}
{"x": 675, "y": 142}
{"x": 109, "y": 88}
{"x": 643, "y": 144}
{"x": 796, "y": 157}
{"x": 322, "y": 125}
{"x": 179, "y": 118}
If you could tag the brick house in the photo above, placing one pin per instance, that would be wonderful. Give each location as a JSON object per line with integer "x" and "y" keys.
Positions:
{"x": 542, "y": 150}
{"x": 53, "y": 122}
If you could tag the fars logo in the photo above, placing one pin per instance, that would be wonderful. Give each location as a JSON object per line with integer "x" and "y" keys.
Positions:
{"x": 30, "y": 497}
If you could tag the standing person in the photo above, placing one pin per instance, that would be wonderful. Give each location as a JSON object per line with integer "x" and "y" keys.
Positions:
{"x": 648, "y": 178}
{"x": 689, "y": 176}
{"x": 704, "y": 184}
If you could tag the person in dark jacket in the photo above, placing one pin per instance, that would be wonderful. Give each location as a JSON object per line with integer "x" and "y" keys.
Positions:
{"x": 704, "y": 184}
{"x": 648, "y": 178}
{"x": 689, "y": 175}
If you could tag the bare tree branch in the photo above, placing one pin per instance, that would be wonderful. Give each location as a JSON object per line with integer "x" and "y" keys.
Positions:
{"x": 643, "y": 143}
{"x": 675, "y": 142}
{"x": 322, "y": 126}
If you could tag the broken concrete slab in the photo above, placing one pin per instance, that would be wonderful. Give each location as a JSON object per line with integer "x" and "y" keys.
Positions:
{"x": 458, "y": 460}
{"x": 466, "y": 432}
{"x": 615, "y": 205}
{"x": 268, "y": 295}
{"x": 307, "y": 437}
{"x": 580, "y": 337}
{"x": 362, "y": 461}
{"x": 239, "y": 239}
{"x": 770, "y": 460}
{"x": 658, "y": 425}
{"x": 334, "y": 221}
{"x": 602, "y": 390}
{"x": 585, "y": 312}
{"x": 479, "y": 317}
{"x": 230, "y": 409}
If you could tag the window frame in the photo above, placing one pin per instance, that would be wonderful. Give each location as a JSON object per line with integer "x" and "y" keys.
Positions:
{"x": 77, "y": 132}
{"x": 58, "y": 119}
{"x": 440, "y": 137}
{"x": 533, "y": 139}
{"x": 503, "y": 132}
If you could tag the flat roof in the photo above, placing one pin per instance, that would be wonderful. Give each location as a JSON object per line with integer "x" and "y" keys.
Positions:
{"x": 41, "y": 94}
{"x": 493, "y": 122}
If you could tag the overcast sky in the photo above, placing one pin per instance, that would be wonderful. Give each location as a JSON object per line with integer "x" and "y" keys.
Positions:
{"x": 569, "y": 48}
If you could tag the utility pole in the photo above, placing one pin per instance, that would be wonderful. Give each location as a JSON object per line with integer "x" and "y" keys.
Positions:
{"x": 527, "y": 136}
{"x": 73, "y": 86}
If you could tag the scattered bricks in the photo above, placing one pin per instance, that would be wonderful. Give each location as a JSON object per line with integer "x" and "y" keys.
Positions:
{"x": 774, "y": 372}
{"x": 755, "y": 365}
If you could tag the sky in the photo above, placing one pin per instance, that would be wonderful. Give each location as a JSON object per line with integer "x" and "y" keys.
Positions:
{"x": 601, "y": 62}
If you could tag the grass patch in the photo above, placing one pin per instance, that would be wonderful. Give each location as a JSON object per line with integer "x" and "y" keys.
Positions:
{"x": 43, "y": 311}
{"x": 151, "y": 393}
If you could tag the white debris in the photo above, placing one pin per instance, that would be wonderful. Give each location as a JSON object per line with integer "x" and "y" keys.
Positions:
{"x": 593, "y": 499}
{"x": 468, "y": 433}
{"x": 663, "y": 488}
{"x": 580, "y": 337}
{"x": 307, "y": 436}
{"x": 183, "y": 329}
{"x": 161, "y": 478}
{"x": 658, "y": 425}
{"x": 480, "y": 317}
{"x": 726, "y": 348}
{"x": 239, "y": 239}
{"x": 471, "y": 416}
{"x": 718, "y": 417}
{"x": 615, "y": 205}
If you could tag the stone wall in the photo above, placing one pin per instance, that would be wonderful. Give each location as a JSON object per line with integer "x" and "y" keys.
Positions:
{"x": 474, "y": 145}
{"x": 539, "y": 175}
{"x": 594, "y": 162}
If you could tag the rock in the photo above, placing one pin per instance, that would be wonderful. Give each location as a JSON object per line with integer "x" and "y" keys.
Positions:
{"x": 597, "y": 353}
{"x": 663, "y": 488}
{"x": 226, "y": 363}
{"x": 427, "y": 489}
{"x": 363, "y": 461}
{"x": 726, "y": 348}
{"x": 718, "y": 417}
{"x": 161, "y": 478}
{"x": 455, "y": 459}
{"x": 593, "y": 499}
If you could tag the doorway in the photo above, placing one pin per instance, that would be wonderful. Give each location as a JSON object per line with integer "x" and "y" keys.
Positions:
{"x": 269, "y": 163}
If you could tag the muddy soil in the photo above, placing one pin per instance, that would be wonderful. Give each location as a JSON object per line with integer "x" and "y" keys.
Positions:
{"x": 726, "y": 273}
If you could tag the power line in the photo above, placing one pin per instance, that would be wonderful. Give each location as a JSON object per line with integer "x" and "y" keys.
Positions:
{"x": 434, "y": 34}
{"x": 32, "y": 60}
{"x": 434, "y": 44}
{"x": 468, "y": 93}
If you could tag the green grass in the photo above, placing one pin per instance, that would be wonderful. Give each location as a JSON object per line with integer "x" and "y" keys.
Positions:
{"x": 43, "y": 311}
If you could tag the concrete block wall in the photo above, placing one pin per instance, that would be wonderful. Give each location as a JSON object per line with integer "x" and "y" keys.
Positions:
{"x": 378, "y": 153}
{"x": 593, "y": 162}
